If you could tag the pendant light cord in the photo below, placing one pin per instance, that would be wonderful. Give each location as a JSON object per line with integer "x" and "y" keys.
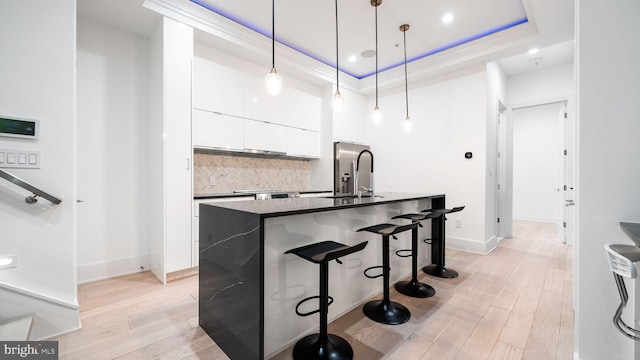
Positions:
{"x": 337, "y": 66}
{"x": 273, "y": 34}
{"x": 376, "y": 56}
{"x": 406, "y": 86}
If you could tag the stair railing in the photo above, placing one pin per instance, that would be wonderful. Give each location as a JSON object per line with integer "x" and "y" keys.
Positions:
{"x": 32, "y": 199}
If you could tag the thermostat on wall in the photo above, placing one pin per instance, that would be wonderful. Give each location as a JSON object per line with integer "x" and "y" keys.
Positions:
{"x": 19, "y": 127}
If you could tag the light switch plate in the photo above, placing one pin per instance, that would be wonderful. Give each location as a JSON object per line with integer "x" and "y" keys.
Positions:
{"x": 21, "y": 159}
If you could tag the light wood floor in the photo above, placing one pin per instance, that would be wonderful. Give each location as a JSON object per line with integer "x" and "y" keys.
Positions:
{"x": 512, "y": 304}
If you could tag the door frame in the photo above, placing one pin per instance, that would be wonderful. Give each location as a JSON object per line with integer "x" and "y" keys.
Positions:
{"x": 570, "y": 146}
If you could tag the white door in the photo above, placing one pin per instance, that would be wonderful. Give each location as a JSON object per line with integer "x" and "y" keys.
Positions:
{"x": 536, "y": 163}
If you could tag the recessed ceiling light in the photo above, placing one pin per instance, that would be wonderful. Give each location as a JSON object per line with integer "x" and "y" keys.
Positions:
{"x": 533, "y": 51}
{"x": 352, "y": 58}
{"x": 447, "y": 18}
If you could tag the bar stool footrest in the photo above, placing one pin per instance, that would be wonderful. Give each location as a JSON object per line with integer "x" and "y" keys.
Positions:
{"x": 330, "y": 300}
{"x": 403, "y": 253}
{"x": 371, "y": 268}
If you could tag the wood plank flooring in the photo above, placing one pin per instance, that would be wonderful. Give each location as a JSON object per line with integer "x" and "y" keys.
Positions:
{"x": 514, "y": 303}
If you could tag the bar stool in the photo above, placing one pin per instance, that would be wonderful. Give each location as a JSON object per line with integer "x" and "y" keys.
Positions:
{"x": 437, "y": 268}
{"x": 386, "y": 311}
{"x": 323, "y": 345}
{"x": 621, "y": 263}
{"x": 413, "y": 287}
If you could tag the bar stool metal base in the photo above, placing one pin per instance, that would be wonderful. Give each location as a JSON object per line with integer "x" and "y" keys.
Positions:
{"x": 311, "y": 347}
{"x": 440, "y": 271}
{"x": 390, "y": 313}
{"x": 415, "y": 289}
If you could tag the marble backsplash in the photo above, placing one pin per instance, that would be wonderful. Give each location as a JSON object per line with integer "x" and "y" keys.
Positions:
{"x": 221, "y": 173}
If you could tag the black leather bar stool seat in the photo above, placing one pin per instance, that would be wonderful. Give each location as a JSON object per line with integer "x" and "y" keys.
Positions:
{"x": 323, "y": 345}
{"x": 386, "y": 311}
{"x": 438, "y": 247}
{"x": 413, "y": 287}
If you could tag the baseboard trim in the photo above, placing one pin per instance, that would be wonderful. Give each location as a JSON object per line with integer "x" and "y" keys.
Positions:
{"x": 472, "y": 246}
{"x": 109, "y": 269}
{"x": 536, "y": 219}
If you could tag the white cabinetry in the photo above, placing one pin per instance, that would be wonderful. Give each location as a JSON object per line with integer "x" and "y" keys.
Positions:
{"x": 215, "y": 130}
{"x": 258, "y": 105}
{"x": 302, "y": 142}
{"x": 263, "y": 136}
{"x": 217, "y": 88}
{"x": 303, "y": 110}
{"x": 287, "y": 123}
{"x": 170, "y": 149}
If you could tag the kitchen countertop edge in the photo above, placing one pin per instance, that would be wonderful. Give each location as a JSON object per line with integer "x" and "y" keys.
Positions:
{"x": 296, "y": 206}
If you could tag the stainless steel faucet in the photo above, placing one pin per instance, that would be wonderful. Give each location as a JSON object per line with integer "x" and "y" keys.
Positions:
{"x": 356, "y": 190}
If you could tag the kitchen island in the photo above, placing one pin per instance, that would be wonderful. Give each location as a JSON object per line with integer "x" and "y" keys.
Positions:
{"x": 249, "y": 288}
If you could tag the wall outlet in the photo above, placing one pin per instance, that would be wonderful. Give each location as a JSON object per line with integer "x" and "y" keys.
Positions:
{"x": 458, "y": 224}
{"x": 212, "y": 180}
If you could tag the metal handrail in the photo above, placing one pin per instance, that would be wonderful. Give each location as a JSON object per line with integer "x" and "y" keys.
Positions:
{"x": 25, "y": 185}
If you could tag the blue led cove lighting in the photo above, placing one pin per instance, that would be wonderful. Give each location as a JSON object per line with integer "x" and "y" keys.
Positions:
{"x": 333, "y": 65}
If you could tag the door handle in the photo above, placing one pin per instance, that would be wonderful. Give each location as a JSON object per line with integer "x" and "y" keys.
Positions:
{"x": 79, "y": 201}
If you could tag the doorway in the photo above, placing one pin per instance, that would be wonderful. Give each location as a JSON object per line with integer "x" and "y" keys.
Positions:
{"x": 540, "y": 164}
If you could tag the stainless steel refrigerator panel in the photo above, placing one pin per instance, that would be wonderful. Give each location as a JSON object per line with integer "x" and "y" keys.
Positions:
{"x": 345, "y": 155}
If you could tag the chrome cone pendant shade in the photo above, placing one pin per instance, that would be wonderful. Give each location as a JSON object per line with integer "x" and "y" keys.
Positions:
{"x": 273, "y": 80}
{"x": 407, "y": 119}
{"x": 337, "y": 98}
{"x": 377, "y": 114}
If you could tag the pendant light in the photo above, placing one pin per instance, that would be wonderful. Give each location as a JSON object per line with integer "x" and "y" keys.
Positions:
{"x": 337, "y": 97}
{"x": 272, "y": 80}
{"x": 407, "y": 119}
{"x": 377, "y": 114}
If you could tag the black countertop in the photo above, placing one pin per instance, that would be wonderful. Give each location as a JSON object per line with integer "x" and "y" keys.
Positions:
{"x": 235, "y": 195}
{"x": 294, "y": 206}
{"x": 632, "y": 230}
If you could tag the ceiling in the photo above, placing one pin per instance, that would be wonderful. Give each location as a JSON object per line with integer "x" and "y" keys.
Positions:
{"x": 481, "y": 31}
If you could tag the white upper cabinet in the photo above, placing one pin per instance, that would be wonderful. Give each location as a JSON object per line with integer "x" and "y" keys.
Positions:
{"x": 303, "y": 110}
{"x": 216, "y": 88}
{"x": 215, "y": 130}
{"x": 246, "y": 117}
{"x": 304, "y": 143}
{"x": 258, "y": 105}
{"x": 263, "y": 136}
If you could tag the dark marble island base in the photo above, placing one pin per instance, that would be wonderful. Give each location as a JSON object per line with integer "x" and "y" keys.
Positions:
{"x": 248, "y": 286}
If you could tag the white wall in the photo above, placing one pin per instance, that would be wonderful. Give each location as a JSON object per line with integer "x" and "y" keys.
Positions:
{"x": 112, "y": 78}
{"x": 449, "y": 119}
{"x": 37, "y": 69}
{"x": 549, "y": 84}
{"x": 536, "y": 163}
{"x": 608, "y": 106}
